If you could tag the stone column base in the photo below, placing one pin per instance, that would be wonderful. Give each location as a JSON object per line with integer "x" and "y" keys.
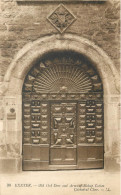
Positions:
{"x": 112, "y": 163}
{"x": 10, "y": 165}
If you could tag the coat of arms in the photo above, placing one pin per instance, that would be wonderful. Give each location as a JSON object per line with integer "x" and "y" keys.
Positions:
{"x": 61, "y": 18}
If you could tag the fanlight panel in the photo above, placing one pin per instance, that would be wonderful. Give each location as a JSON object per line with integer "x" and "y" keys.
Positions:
{"x": 62, "y": 77}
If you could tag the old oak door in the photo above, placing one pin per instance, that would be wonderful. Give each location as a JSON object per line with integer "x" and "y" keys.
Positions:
{"x": 63, "y": 134}
{"x": 62, "y": 114}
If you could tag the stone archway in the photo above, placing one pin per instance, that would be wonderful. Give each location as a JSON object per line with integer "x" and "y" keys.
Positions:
{"x": 14, "y": 78}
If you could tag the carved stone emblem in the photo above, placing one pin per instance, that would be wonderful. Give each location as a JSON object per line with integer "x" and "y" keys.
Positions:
{"x": 61, "y": 18}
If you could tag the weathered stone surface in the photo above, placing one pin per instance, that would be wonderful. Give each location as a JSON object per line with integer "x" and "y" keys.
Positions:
{"x": 13, "y": 150}
{"x": 13, "y": 137}
{"x": 32, "y": 24}
{"x": 3, "y": 27}
{"x": 1, "y": 113}
{"x": 2, "y": 138}
{"x": 112, "y": 163}
{"x": 3, "y": 151}
{"x": 10, "y": 165}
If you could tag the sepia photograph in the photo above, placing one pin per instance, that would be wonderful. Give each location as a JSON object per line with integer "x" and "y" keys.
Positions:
{"x": 60, "y": 97}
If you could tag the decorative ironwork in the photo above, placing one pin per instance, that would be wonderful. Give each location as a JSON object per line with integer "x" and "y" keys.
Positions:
{"x": 61, "y": 18}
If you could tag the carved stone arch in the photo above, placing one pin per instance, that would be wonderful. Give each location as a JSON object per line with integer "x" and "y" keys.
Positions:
{"x": 30, "y": 53}
{"x": 33, "y": 51}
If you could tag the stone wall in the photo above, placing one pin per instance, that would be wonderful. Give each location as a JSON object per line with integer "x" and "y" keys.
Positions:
{"x": 25, "y": 22}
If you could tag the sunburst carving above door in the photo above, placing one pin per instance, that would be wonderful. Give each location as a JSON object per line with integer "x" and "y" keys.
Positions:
{"x": 62, "y": 74}
{"x": 62, "y": 79}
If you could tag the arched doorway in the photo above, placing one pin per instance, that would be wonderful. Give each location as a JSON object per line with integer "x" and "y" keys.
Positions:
{"x": 62, "y": 114}
{"x": 27, "y": 58}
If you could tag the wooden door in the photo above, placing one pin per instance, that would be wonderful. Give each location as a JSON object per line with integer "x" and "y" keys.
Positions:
{"x": 63, "y": 145}
{"x": 63, "y": 115}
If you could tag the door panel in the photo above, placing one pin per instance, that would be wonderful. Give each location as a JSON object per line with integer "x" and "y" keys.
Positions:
{"x": 63, "y": 156}
{"x": 63, "y": 124}
{"x": 63, "y": 133}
